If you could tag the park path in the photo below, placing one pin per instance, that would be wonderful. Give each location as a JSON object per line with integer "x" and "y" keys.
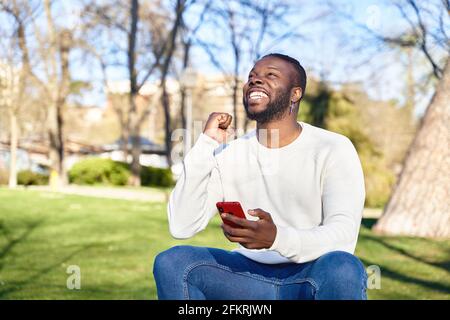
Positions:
{"x": 138, "y": 194}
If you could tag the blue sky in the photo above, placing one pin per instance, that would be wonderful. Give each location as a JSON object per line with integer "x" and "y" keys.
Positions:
{"x": 326, "y": 48}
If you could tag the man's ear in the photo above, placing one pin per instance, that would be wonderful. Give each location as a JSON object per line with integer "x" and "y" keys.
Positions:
{"x": 297, "y": 94}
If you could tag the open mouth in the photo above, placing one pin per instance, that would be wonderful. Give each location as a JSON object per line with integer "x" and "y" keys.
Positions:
{"x": 256, "y": 95}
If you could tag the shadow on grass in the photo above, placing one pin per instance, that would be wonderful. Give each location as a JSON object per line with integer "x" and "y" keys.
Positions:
{"x": 385, "y": 271}
{"x": 17, "y": 286}
{"x": 368, "y": 223}
{"x": 11, "y": 241}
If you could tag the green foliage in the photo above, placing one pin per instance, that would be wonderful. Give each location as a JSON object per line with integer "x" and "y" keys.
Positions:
{"x": 99, "y": 171}
{"x": 318, "y": 105}
{"x": 378, "y": 181}
{"x": 108, "y": 172}
{"x": 343, "y": 117}
{"x": 156, "y": 177}
{"x": 30, "y": 178}
{"x": 339, "y": 111}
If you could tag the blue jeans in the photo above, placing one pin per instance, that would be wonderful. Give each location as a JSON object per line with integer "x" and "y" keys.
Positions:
{"x": 198, "y": 273}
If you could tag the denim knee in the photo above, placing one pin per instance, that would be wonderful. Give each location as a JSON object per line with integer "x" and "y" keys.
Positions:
{"x": 340, "y": 275}
{"x": 177, "y": 259}
{"x": 170, "y": 260}
{"x": 168, "y": 269}
{"x": 342, "y": 265}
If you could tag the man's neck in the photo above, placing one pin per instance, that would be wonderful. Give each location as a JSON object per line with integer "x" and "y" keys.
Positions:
{"x": 278, "y": 133}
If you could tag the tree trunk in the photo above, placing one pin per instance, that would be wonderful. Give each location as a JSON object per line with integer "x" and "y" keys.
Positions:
{"x": 124, "y": 137}
{"x": 61, "y": 146}
{"x": 58, "y": 88}
{"x": 179, "y": 9}
{"x": 186, "y": 47}
{"x": 57, "y": 134}
{"x": 419, "y": 205}
{"x": 133, "y": 116}
{"x": 135, "y": 156}
{"x": 56, "y": 147}
{"x": 12, "y": 183}
{"x": 237, "y": 61}
{"x": 167, "y": 123}
{"x": 235, "y": 102}
{"x": 135, "y": 137}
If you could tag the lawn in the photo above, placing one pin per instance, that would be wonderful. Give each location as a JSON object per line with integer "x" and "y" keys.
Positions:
{"x": 114, "y": 243}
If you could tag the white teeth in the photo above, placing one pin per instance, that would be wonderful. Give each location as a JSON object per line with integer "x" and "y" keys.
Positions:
{"x": 257, "y": 95}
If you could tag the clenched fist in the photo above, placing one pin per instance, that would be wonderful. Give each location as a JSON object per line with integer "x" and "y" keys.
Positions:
{"x": 218, "y": 126}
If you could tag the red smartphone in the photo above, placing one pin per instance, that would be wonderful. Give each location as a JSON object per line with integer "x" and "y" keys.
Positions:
{"x": 231, "y": 207}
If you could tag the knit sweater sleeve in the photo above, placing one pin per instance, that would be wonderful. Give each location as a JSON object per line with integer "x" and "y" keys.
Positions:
{"x": 192, "y": 201}
{"x": 343, "y": 197}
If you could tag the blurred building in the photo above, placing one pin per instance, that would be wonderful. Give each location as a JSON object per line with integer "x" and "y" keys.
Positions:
{"x": 32, "y": 154}
{"x": 211, "y": 93}
{"x": 95, "y": 131}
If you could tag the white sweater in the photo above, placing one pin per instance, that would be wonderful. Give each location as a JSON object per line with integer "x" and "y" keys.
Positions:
{"x": 313, "y": 188}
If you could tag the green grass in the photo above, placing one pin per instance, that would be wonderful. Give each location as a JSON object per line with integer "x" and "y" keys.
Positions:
{"x": 114, "y": 243}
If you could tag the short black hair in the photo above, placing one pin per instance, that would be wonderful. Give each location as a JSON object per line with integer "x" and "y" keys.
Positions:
{"x": 300, "y": 73}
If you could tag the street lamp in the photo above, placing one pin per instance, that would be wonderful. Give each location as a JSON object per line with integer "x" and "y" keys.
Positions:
{"x": 188, "y": 81}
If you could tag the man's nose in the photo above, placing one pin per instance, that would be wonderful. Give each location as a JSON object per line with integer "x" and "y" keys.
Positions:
{"x": 255, "y": 80}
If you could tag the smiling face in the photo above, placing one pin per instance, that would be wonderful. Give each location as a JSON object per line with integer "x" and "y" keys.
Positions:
{"x": 267, "y": 93}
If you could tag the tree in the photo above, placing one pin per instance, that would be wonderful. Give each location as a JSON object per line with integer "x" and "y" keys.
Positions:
{"x": 150, "y": 45}
{"x": 188, "y": 35}
{"x": 269, "y": 15}
{"x": 246, "y": 25}
{"x": 12, "y": 88}
{"x": 48, "y": 68}
{"x": 233, "y": 18}
{"x": 340, "y": 111}
{"x": 419, "y": 205}
{"x": 170, "y": 46}
{"x": 11, "y": 99}
{"x": 15, "y": 76}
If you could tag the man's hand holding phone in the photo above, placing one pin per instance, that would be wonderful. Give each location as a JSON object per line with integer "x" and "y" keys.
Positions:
{"x": 250, "y": 234}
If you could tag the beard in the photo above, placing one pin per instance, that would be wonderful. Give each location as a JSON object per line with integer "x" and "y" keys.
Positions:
{"x": 274, "y": 109}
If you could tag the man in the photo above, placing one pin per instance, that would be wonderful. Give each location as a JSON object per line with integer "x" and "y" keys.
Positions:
{"x": 303, "y": 190}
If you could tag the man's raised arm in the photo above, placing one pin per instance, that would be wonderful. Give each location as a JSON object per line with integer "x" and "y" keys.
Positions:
{"x": 192, "y": 201}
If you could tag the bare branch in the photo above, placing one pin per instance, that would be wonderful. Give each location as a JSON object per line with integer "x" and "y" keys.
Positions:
{"x": 436, "y": 70}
